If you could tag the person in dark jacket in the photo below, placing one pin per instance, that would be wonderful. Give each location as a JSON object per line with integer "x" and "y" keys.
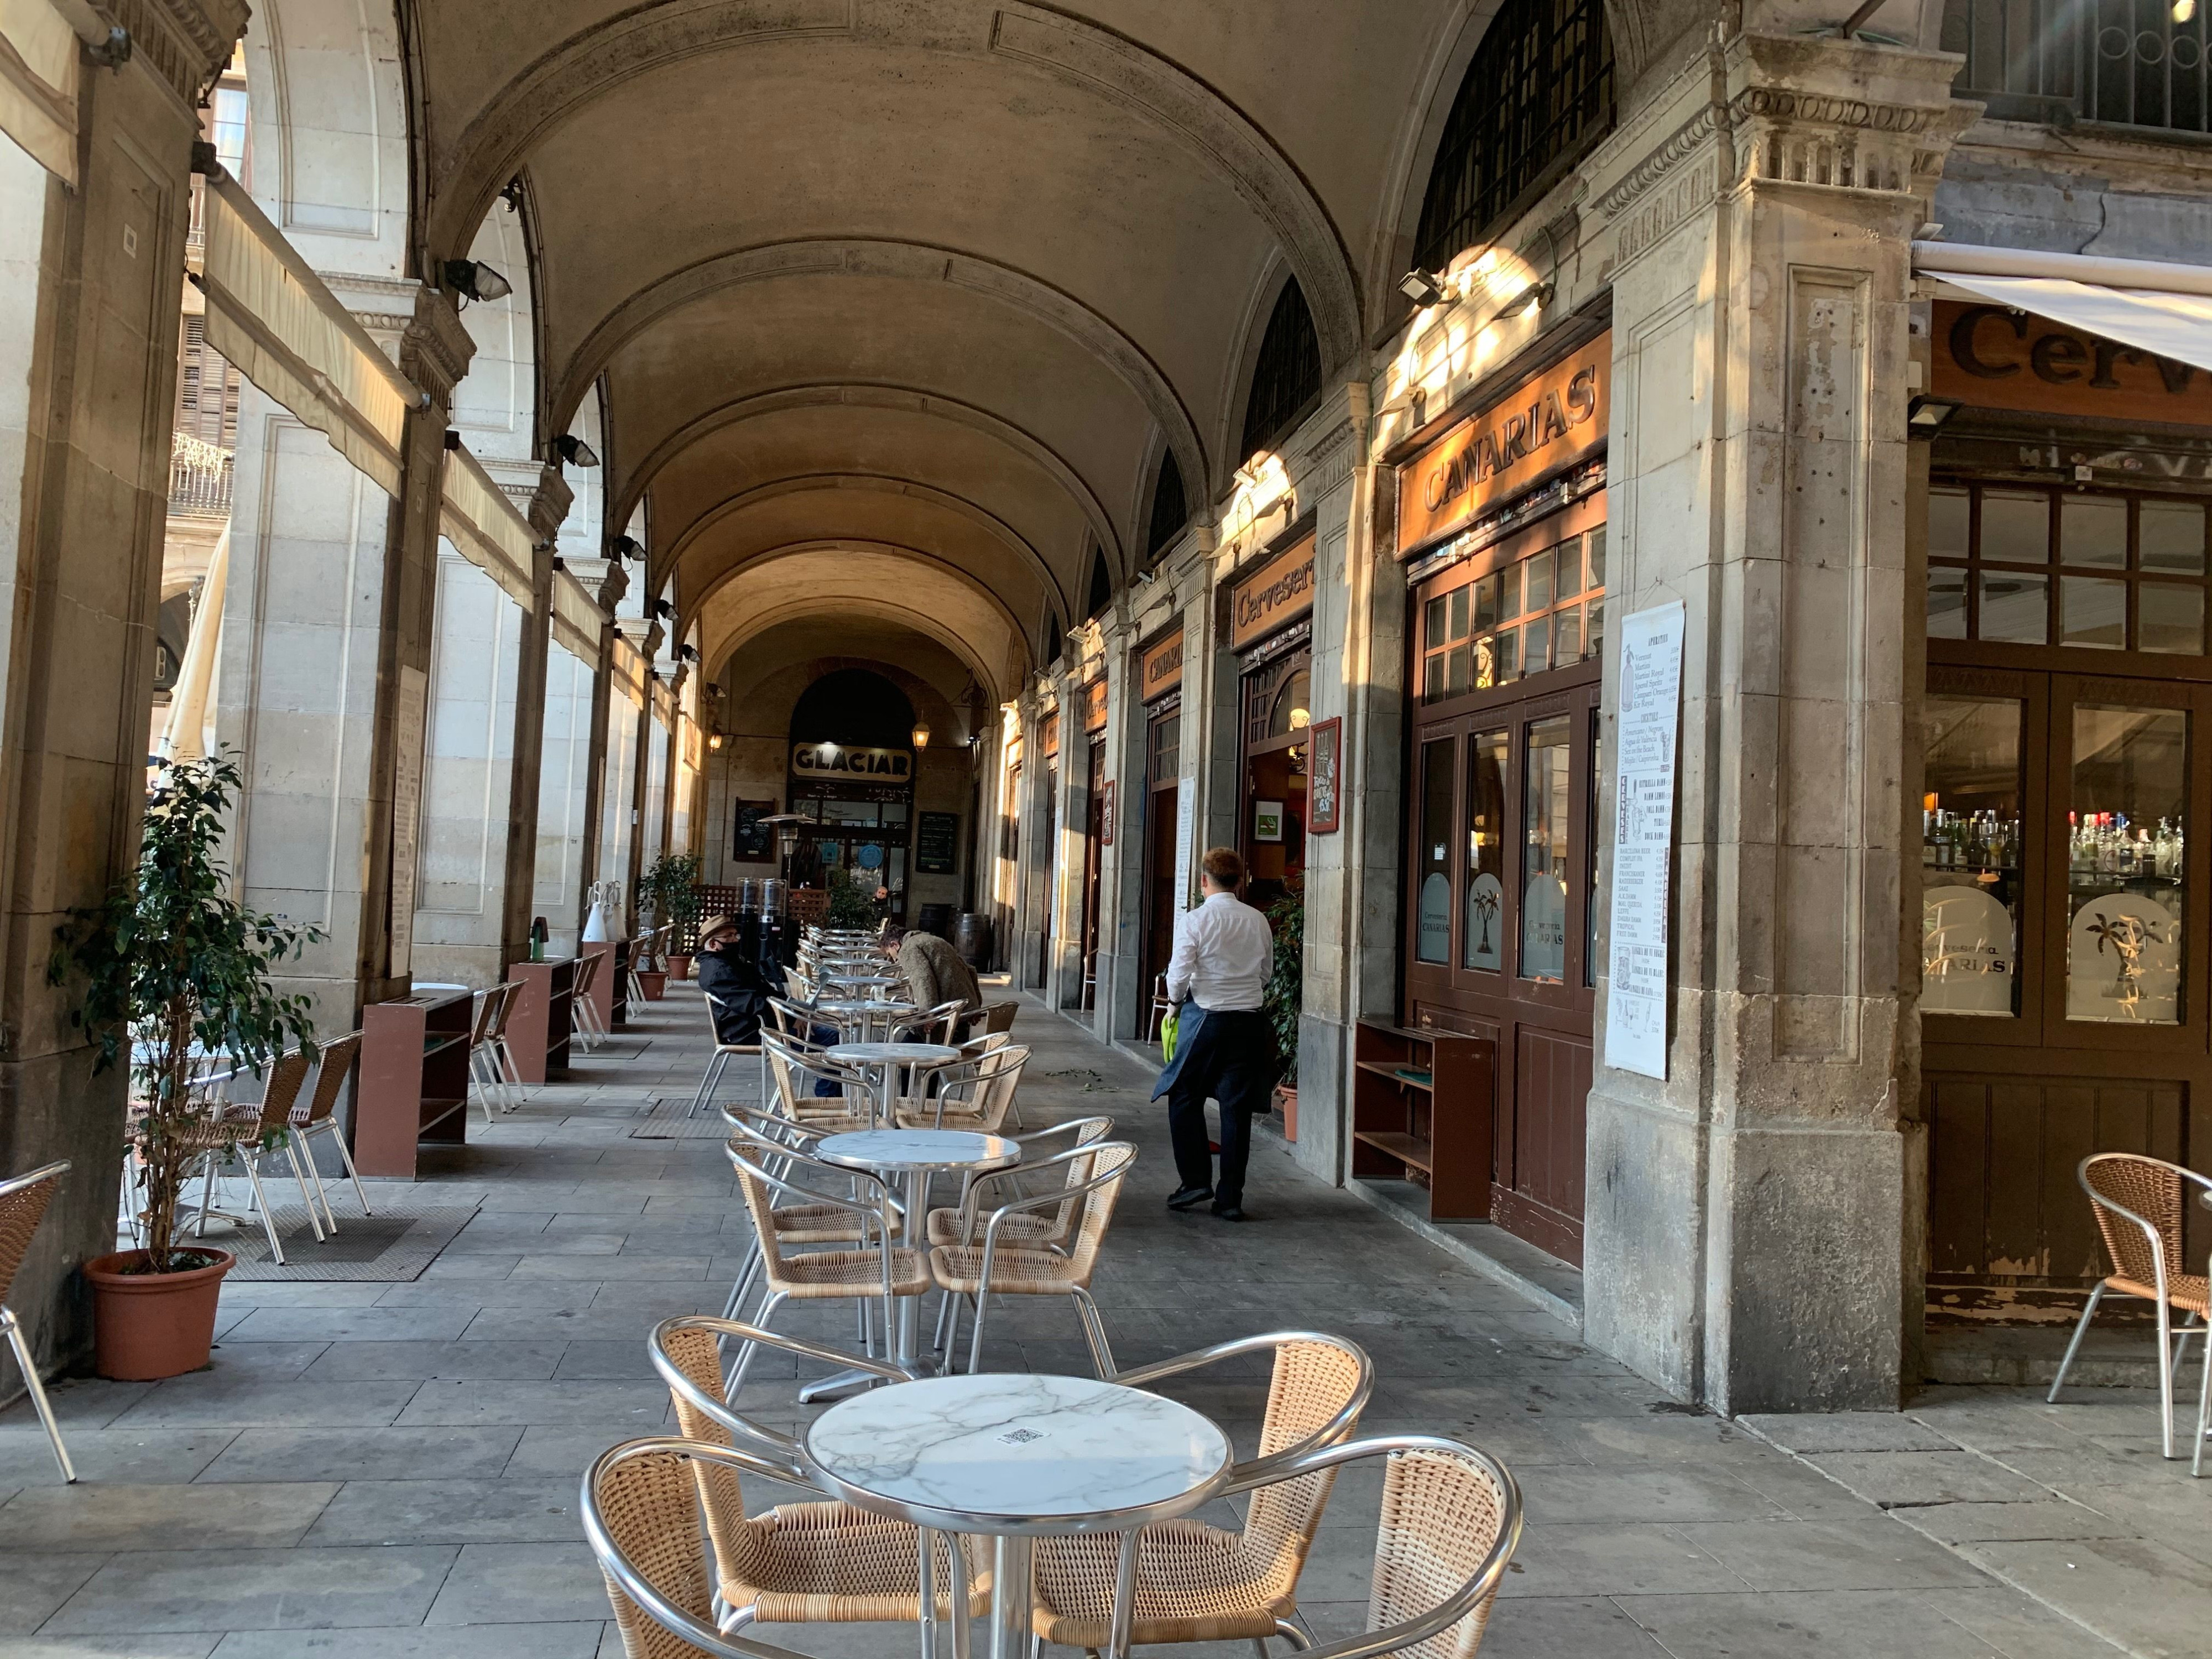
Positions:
{"x": 731, "y": 976}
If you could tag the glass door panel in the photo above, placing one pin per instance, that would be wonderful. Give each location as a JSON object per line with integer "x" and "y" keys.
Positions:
{"x": 1432, "y": 855}
{"x": 1970, "y": 856}
{"x": 2125, "y": 869}
{"x": 1546, "y": 782}
{"x": 1483, "y": 945}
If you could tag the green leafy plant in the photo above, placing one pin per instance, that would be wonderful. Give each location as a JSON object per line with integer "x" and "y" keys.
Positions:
{"x": 1285, "y": 994}
{"x": 672, "y": 885}
{"x": 851, "y": 904}
{"x": 176, "y": 980}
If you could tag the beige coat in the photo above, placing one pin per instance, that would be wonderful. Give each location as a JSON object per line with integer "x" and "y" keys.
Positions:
{"x": 935, "y": 973}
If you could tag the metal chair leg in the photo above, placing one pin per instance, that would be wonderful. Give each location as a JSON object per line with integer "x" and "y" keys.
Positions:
{"x": 251, "y": 1160}
{"x": 291, "y": 1157}
{"x": 2165, "y": 1373}
{"x": 975, "y": 1342}
{"x": 1094, "y": 1332}
{"x": 37, "y": 1390}
{"x": 2204, "y": 1413}
{"x": 708, "y": 1080}
{"x": 2074, "y": 1347}
{"x": 296, "y": 1149}
{"x": 345, "y": 1157}
{"x": 746, "y": 1354}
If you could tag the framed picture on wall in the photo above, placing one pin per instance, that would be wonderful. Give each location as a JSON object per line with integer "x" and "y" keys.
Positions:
{"x": 753, "y": 839}
{"x": 1324, "y": 775}
{"x": 1267, "y": 820}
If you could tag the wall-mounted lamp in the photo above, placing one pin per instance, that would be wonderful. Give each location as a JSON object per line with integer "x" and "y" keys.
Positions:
{"x": 687, "y": 654}
{"x": 575, "y": 451}
{"x": 714, "y": 741}
{"x": 1536, "y": 294}
{"x": 663, "y": 608}
{"x": 922, "y": 734}
{"x": 1924, "y": 415}
{"x": 1421, "y": 287}
{"x": 626, "y": 547}
{"x": 476, "y": 282}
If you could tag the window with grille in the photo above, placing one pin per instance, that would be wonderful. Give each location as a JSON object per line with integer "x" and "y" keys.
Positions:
{"x": 1287, "y": 375}
{"x": 1101, "y": 584}
{"x": 1168, "y": 512}
{"x": 1539, "y": 91}
{"x": 2130, "y": 63}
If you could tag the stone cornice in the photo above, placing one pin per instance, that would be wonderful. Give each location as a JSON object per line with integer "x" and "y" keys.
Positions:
{"x": 183, "y": 42}
{"x": 434, "y": 349}
{"x": 550, "y": 503}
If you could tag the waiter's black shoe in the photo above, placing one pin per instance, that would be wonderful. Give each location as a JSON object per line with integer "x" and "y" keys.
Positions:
{"x": 1184, "y": 1198}
{"x": 1230, "y": 1212}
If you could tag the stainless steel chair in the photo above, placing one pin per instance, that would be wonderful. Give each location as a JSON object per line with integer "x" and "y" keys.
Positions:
{"x": 23, "y": 1201}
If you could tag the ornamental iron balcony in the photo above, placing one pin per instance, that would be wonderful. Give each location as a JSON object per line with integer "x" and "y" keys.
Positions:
{"x": 199, "y": 478}
{"x": 2138, "y": 63}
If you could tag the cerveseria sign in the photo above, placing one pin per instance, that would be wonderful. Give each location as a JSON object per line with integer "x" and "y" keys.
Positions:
{"x": 1275, "y": 595}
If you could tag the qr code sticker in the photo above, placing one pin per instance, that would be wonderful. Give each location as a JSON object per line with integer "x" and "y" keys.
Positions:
{"x": 1019, "y": 1436}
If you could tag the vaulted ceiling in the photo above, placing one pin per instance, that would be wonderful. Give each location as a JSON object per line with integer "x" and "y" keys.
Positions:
{"x": 896, "y": 303}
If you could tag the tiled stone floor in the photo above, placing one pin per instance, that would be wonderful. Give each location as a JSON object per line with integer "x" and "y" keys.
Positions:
{"x": 389, "y": 1471}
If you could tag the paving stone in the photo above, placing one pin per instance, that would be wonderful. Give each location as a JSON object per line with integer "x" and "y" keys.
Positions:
{"x": 1891, "y": 1478}
{"x": 2142, "y": 1593}
{"x": 1613, "y": 1561}
{"x": 624, "y": 1409}
{"x": 532, "y": 1641}
{"x": 1876, "y": 1552}
{"x": 386, "y": 1511}
{"x": 145, "y": 1456}
{"x": 35, "y": 1584}
{"x": 255, "y": 1589}
{"x": 1862, "y": 1624}
{"x": 1849, "y": 1431}
{"x": 175, "y": 1644}
{"x": 208, "y": 1515}
{"x": 503, "y": 1361}
{"x": 375, "y": 1324}
{"x": 383, "y": 1454}
{"x": 1673, "y": 1493}
{"x": 253, "y": 1404}
{"x": 505, "y": 1583}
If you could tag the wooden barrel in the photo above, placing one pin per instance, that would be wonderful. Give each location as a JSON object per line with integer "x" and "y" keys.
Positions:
{"x": 973, "y": 940}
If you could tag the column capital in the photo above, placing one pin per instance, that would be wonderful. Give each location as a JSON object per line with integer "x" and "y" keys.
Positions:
{"x": 185, "y": 41}
{"x": 549, "y": 505}
{"x": 434, "y": 349}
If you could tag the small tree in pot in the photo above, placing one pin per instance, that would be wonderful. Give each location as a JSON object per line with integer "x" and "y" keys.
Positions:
{"x": 672, "y": 886}
{"x": 176, "y": 977}
{"x": 1285, "y": 994}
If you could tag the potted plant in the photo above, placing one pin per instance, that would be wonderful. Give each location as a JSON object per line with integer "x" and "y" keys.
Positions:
{"x": 851, "y": 904}
{"x": 1285, "y": 996}
{"x": 673, "y": 883}
{"x": 175, "y": 972}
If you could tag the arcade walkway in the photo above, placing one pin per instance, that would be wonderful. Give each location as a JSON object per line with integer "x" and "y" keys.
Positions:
{"x": 389, "y": 1470}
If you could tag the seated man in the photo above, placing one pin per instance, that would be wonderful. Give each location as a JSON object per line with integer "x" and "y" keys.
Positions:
{"x": 731, "y": 976}
{"x": 933, "y": 969}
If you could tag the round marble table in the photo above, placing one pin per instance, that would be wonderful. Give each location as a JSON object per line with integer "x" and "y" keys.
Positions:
{"x": 1016, "y": 1456}
{"x": 909, "y": 1156}
{"x": 863, "y": 1022}
{"x": 878, "y": 1060}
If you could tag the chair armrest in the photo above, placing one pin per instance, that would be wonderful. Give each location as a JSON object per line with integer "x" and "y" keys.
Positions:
{"x": 1259, "y": 1471}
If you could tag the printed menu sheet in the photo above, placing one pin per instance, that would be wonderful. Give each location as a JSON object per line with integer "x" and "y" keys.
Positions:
{"x": 1647, "y": 737}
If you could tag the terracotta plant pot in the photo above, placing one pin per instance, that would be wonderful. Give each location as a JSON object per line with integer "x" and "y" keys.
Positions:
{"x": 149, "y": 1326}
{"x": 653, "y": 982}
{"x": 679, "y": 965}
{"x": 1287, "y": 1102}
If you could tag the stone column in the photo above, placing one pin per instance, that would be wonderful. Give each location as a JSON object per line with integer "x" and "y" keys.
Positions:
{"x": 89, "y": 321}
{"x": 1034, "y": 854}
{"x": 549, "y": 506}
{"x": 1753, "y": 1222}
{"x": 1116, "y": 1010}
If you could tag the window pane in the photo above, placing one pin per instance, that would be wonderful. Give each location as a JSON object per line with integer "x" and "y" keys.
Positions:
{"x": 1508, "y": 656}
{"x": 1432, "y": 624}
{"x": 2094, "y": 530}
{"x": 1537, "y": 585}
{"x": 1946, "y": 603}
{"x": 1432, "y": 916}
{"x": 1593, "y": 567}
{"x": 1949, "y": 525}
{"x": 1484, "y": 946}
{"x": 1536, "y": 645}
{"x": 2015, "y": 528}
{"x": 2016, "y": 609}
{"x": 1594, "y": 629}
{"x": 1456, "y": 671}
{"x": 1969, "y": 857}
{"x": 1544, "y": 849}
{"x": 1486, "y": 662}
{"x": 1486, "y": 604}
{"x": 2124, "y": 864}
{"x": 1591, "y": 903}
{"x": 1432, "y": 677}
{"x": 1567, "y": 637}
{"x": 2169, "y": 618}
{"x": 1568, "y": 569}
{"x": 2171, "y": 537}
{"x": 1509, "y": 592}
{"x": 1458, "y": 624}
{"x": 2092, "y": 612}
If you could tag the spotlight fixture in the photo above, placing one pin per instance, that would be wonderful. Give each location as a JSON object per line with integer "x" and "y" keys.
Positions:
{"x": 1924, "y": 415}
{"x": 714, "y": 741}
{"x": 687, "y": 654}
{"x": 575, "y": 452}
{"x": 476, "y": 282}
{"x": 626, "y": 547}
{"x": 2183, "y": 10}
{"x": 922, "y": 734}
{"x": 663, "y": 608}
{"x": 1421, "y": 287}
{"x": 1536, "y": 294}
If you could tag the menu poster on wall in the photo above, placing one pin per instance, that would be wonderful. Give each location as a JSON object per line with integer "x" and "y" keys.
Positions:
{"x": 754, "y": 841}
{"x": 1324, "y": 769}
{"x": 937, "y": 844}
{"x": 1646, "y": 741}
{"x": 1185, "y": 823}
{"x": 407, "y": 814}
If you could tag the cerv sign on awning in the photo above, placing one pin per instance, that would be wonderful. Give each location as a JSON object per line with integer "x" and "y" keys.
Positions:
{"x": 844, "y": 763}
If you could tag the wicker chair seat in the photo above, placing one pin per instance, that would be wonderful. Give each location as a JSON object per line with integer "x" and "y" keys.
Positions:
{"x": 2190, "y": 1292}
{"x": 819, "y": 1223}
{"x": 1024, "y": 1227}
{"x": 834, "y": 1563}
{"x": 846, "y": 1274}
{"x": 1014, "y": 1272}
{"x": 1195, "y": 1583}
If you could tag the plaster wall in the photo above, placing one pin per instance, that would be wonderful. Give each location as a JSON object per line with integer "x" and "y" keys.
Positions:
{"x": 563, "y": 798}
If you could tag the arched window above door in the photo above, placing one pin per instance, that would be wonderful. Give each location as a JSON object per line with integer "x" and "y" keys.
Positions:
{"x": 1286, "y": 374}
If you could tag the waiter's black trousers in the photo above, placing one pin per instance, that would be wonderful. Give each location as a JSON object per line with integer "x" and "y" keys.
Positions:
{"x": 1232, "y": 1059}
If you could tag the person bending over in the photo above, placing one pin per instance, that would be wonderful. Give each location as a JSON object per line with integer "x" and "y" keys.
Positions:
{"x": 1225, "y": 1049}
{"x": 934, "y": 972}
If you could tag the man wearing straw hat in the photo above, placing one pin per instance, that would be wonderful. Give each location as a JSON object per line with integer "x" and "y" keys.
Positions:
{"x": 731, "y": 976}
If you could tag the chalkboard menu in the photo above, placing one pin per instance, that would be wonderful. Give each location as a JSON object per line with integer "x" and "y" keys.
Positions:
{"x": 937, "y": 844}
{"x": 754, "y": 840}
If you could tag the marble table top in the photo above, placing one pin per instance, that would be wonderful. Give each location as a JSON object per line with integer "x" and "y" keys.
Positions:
{"x": 843, "y": 1005}
{"x": 918, "y": 1149}
{"x": 1019, "y": 1453}
{"x": 890, "y": 1053}
{"x": 864, "y": 979}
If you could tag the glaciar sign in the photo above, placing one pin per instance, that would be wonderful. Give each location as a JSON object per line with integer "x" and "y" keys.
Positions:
{"x": 837, "y": 760}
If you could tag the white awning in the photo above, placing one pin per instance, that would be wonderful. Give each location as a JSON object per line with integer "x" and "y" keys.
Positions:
{"x": 475, "y": 514}
{"x": 629, "y": 671}
{"x": 279, "y": 327}
{"x": 38, "y": 77}
{"x": 579, "y": 624}
{"x": 2165, "y": 309}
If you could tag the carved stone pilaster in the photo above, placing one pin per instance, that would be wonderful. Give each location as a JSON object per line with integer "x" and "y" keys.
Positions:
{"x": 434, "y": 349}
{"x": 184, "y": 42}
{"x": 550, "y": 505}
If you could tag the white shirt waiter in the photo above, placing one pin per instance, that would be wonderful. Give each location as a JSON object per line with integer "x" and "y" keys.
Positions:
{"x": 1223, "y": 950}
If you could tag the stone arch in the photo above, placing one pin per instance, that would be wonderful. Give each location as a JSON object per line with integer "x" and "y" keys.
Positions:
{"x": 872, "y": 395}
{"x": 903, "y": 261}
{"x": 1109, "y": 64}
